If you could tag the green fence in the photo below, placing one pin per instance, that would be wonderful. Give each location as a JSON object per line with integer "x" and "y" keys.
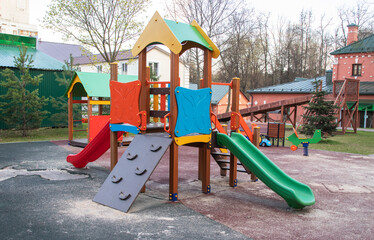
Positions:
{"x": 48, "y": 87}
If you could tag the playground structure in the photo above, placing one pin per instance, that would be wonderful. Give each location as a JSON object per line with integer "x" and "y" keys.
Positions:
{"x": 94, "y": 87}
{"x": 188, "y": 122}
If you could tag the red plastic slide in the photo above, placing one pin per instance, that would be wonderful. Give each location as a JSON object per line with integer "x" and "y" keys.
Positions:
{"x": 97, "y": 147}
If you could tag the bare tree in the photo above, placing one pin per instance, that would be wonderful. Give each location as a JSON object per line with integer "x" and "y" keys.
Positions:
{"x": 278, "y": 60}
{"x": 104, "y": 25}
{"x": 325, "y": 43}
{"x": 263, "y": 21}
{"x": 361, "y": 14}
{"x": 211, "y": 15}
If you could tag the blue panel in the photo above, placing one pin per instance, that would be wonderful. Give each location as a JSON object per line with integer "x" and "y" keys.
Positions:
{"x": 124, "y": 128}
{"x": 193, "y": 111}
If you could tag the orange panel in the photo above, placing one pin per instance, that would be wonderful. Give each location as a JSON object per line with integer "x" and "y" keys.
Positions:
{"x": 96, "y": 124}
{"x": 125, "y": 102}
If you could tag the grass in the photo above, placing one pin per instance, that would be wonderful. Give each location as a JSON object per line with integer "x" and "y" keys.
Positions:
{"x": 360, "y": 143}
{"x": 41, "y": 134}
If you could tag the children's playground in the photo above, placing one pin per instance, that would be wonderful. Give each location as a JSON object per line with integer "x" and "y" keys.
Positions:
{"x": 185, "y": 174}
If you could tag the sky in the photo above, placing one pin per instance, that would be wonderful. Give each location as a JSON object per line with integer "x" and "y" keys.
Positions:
{"x": 288, "y": 9}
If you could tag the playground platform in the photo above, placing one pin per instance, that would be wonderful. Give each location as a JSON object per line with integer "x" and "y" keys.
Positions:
{"x": 44, "y": 197}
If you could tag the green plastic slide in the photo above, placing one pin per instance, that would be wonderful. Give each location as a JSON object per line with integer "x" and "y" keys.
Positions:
{"x": 296, "y": 194}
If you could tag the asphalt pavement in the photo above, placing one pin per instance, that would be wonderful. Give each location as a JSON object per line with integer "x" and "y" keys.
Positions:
{"x": 43, "y": 197}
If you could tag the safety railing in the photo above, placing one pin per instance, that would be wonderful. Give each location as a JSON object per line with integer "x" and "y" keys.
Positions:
{"x": 158, "y": 104}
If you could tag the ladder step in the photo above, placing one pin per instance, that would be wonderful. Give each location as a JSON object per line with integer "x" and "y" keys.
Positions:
{"x": 226, "y": 161}
{"x": 238, "y": 170}
{"x": 220, "y": 154}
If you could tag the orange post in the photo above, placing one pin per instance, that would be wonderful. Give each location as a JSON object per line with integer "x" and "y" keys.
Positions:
{"x": 234, "y": 108}
{"x": 201, "y": 83}
{"x": 204, "y": 153}
{"x": 256, "y": 142}
{"x": 224, "y": 130}
{"x": 201, "y": 152}
{"x": 70, "y": 115}
{"x": 173, "y": 177}
{"x": 142, "y": 66}
{"x": 155, "y": 103}
{"x": 113, "y": 135}
{"x": 113, "y": 149}
{"x": 163, "y": 101}
{"x": 89, "y": 114}
{"x": 147, "y": 93}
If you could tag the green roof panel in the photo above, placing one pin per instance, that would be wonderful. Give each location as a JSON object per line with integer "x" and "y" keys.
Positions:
{"x": 307, "y": 86}
{"x": 362, "y": 46}
{"x": 41, "y": 60}
{"x": 300, "y": 85}
{"x": 186, "y": 32}
{"x": 97, "y": 84}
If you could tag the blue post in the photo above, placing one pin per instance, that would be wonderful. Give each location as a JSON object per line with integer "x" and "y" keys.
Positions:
{"x": 305, "y": 145}
{"x": 173, "y": 197}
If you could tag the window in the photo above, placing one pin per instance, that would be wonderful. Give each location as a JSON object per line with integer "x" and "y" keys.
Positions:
{"x": 356, "y": 69}
{"x": 99, "y": 68}
{"x": 124, "y": 68}
{"x": 154, "y": 68}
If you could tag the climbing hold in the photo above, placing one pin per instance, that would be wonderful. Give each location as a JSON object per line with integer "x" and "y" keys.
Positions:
{"x": 155, "y": 148}
{"x": 124, "y": 196}
{"x": 140, "y": 172}
{"x": 131, "y": 156}
{"x": 115, "y": 179}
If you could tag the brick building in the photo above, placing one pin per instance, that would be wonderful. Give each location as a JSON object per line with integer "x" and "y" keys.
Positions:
{"x": 354, "y": 61}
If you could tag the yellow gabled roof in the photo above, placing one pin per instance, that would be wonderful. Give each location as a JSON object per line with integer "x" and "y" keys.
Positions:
{"x": 173, "y": 35}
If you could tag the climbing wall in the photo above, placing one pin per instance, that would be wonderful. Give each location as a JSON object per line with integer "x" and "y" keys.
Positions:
{"x": 136, "y": 165}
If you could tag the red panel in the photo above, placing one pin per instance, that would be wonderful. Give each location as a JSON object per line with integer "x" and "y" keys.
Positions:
{"x": 96, "y": 124}
{"x": 125, "y": 102}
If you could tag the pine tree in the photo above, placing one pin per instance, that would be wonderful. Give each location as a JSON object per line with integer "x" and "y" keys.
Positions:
{"x": 22, "y": 108}
{"x": 321, "y": 114}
